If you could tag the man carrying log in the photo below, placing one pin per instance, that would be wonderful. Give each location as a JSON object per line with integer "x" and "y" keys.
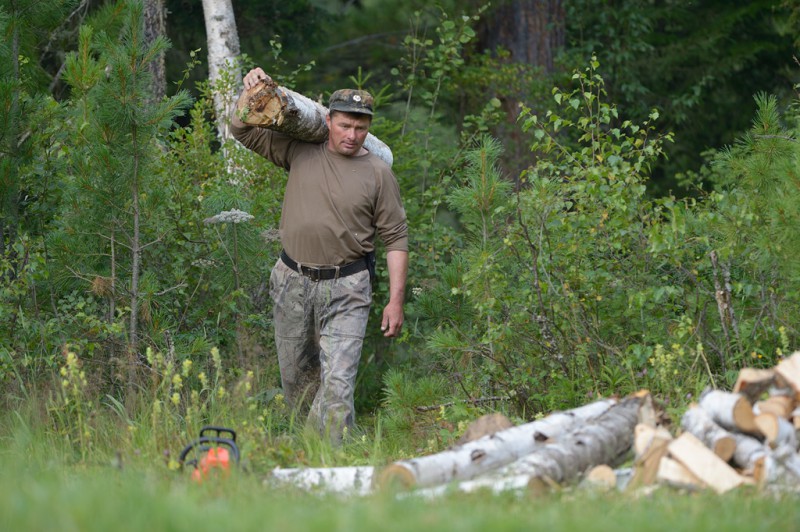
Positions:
{"x": 338, "y": 196}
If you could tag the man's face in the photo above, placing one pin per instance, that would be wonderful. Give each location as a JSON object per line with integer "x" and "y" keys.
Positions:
{"x": 347, "y": 132}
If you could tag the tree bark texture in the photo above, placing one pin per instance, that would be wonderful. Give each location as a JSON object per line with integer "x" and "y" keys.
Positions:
{"x": 155, "y": 25}
{"x": 342, "y": 480}
{"x": 697, "y": 421}
{"x": 490, "y": 452}
{"x": 288, "y": 112}
{"x": 604, "y": 439}
{"x": 731, "y": 411}
{"x": 532, "y": 30}
{"x": 223, "y": 60}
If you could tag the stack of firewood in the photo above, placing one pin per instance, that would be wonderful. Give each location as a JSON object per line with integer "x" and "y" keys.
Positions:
{"x": 747, "y": 436}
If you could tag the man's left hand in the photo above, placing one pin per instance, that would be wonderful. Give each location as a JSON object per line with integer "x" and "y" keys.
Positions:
{"x": 392, "y": 320}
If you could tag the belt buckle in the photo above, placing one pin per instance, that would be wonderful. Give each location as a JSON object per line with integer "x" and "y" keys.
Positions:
{"x": 312, "y": 273}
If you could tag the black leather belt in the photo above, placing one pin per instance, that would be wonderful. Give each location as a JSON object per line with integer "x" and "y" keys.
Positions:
{"x": 326, "y": 273}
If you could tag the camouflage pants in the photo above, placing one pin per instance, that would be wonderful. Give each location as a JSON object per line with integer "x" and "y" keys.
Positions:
{"x": 319, "y": 331}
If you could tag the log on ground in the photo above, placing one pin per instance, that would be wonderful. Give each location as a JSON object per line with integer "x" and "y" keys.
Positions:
{"x": 732, "y": 411}
{"x": 606, "y": 439}
{"x": 356, "y": 480}
{"x": 488, "y": 453}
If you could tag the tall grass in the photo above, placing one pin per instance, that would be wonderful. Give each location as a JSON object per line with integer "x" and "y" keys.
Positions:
{"x": 71, "y": 461}
{"x": 123, "y": 483}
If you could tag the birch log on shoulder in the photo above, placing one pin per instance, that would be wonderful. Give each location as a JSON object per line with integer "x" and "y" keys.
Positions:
{"x": 280, "y": 109}
{"x": 488, "y": 453}
{"x": 732, "y": 411}
{"x": 605, "y": 439}
{"x": 697, "y": 421}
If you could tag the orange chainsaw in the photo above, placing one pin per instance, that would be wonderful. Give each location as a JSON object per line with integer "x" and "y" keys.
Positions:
{"x": 212, "y": 455}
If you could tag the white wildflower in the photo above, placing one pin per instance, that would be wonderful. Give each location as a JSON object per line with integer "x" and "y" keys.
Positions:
{"x": 234, "y": 216}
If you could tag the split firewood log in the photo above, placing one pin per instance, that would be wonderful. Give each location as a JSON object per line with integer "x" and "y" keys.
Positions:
{"x": 674, "y": 474}
{"x": 753, "y": 382}
{"x": 732, "y": 411}
{"x": 280, "y": 109}
{"x": 649, "y": 445}
{"x": 788, "y": 371}
{"x": 697, "y": 421}
{"x": 704, "y": 464}
{"x": 777, "y": 431}
{"x": 779, "y": 404}
{"x": 750, "y": 456}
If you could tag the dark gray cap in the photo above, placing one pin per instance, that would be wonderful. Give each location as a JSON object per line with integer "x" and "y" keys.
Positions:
{"x": 351, "y": 101}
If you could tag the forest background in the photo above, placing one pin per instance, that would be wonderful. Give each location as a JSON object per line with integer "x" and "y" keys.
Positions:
{"x": 602, "y": 197}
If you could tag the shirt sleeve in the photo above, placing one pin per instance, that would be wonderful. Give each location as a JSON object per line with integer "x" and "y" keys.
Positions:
{"x": 390, "y": 216}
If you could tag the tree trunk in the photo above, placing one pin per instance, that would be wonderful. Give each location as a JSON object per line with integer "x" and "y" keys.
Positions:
{"x": 293, "y": 114}
{"x": 532, "y": 30}
{"x": 223, "y": 60}
{"x": 155, "y": 25}
{"x": 490, "y": 452}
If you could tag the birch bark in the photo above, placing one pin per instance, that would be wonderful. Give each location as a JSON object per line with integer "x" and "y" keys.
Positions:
{"x": 223, "y": 60}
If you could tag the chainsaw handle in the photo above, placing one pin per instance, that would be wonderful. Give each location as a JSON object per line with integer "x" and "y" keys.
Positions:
{"x": 229, "y": 443}
{"x": 219, "y": 431}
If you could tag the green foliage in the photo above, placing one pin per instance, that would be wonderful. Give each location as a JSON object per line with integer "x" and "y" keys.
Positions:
{"x": 689, "y": 60}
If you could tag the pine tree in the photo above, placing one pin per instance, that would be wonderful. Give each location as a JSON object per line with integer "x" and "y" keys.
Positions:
{"x": 110, "y": 204}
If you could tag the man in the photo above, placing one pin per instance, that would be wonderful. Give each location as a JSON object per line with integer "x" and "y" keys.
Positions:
{"x": 338, "y": 197}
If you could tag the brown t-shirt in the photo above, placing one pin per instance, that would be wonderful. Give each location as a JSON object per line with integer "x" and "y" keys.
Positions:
{"x": 333, "y": 205}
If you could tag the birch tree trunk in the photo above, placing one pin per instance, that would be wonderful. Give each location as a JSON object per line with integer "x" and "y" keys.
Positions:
{"x": 223, "y": 60}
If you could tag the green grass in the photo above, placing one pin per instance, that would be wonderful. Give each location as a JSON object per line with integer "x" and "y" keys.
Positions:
{"x": 98, "y": 498}
{"x": 45, "y": 485}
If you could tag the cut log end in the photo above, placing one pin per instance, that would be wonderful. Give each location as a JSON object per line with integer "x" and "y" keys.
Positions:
{"x": 262, "y": 105}
{"x": 724, "y": 448}
{"x": 395, "y": 476}
{"x": 601, "y": 478}
{"x": 539, "y": 485}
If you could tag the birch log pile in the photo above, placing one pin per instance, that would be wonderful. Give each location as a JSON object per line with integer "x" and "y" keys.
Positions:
{"x": 280, "y": 109}
{"x": 726, "y": 440}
